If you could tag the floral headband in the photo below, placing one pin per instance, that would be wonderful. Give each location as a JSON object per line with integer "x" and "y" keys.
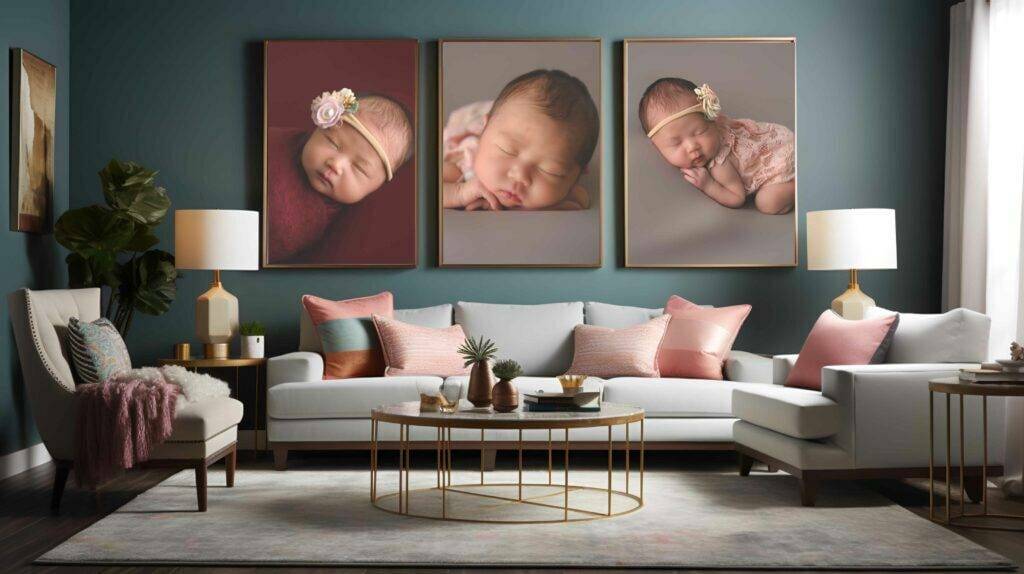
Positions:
{"x": 329, "y": 108}
{"x": 707, "y": 103}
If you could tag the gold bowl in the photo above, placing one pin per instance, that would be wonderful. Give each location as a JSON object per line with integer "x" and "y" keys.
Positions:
{"x": 571, "y": 383}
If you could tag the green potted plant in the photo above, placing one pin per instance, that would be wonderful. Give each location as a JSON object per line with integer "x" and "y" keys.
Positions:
{"x": 504, "y": 396}
{"x": 479, "y": 352}
{"x": 252, "y": 338}
{"x": 111, "y": 245}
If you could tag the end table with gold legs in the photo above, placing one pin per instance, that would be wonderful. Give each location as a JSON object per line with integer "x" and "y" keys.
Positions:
{"x": 949, "y": 387}
{"x": 518, "y": 502}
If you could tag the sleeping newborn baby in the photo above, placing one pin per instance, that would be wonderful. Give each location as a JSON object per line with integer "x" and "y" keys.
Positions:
{"x": 525, "y": 150}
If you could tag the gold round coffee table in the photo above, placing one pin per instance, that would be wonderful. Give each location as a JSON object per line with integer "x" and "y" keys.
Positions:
{"x": 505, "y": 502}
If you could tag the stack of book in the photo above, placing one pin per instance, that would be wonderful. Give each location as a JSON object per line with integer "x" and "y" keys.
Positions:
{"x": 995, "y": 373}
{"x": 581, "y": 401}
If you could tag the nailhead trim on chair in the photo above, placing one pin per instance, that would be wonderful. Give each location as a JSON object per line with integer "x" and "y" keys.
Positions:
{"x": 55, "y": 378}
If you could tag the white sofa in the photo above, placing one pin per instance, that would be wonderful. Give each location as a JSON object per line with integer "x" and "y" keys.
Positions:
{"x": 871, "y": 421}
{"x": 307, "y": 413}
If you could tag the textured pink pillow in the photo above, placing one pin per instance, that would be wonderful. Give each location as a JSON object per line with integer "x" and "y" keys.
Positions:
{"x": 414, "y": 350}
{"x": 629, "y": 352}
{"x": 698, "y": 339}
{"x": 837, "y": 341}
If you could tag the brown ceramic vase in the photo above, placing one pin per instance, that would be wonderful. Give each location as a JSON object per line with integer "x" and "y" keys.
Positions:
{"x": 504, "y": 396}
{"x": 480, "y": 382}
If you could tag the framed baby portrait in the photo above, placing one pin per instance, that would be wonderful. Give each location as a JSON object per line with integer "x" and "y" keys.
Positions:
{"x": 710, "y": 152}
{"x": 519, "y": 163}
{"x": 33, "y": 122}
{"x": 339, "y": 159}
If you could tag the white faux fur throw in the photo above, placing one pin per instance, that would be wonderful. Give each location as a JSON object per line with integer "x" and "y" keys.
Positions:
{"x": 194, "y": 386}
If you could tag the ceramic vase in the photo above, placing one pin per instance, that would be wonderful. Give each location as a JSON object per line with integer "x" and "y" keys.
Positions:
{"x": 504, "y": 396}
{"x": 480, "y": 382}
{"x": 252, "y": 347}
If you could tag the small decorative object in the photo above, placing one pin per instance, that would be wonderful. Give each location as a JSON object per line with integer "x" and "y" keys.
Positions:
{"x": 450, "y": 392}
{"x": 111, "y": 245}
{"x": 479, "y": 352}
{"x": 253, "y": 334}
{"x": 1016, "y": 351}
{"x": 504, "y": 396}
{"x": 571, "y": 383}
{"x": 430, "y": 403}
{"x": 33, "y": 108}
{"x": 182, "y": 351}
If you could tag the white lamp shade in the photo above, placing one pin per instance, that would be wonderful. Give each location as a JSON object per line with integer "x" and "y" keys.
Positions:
{"x": 221, "y": 239}
{"x": 851, "y": 239}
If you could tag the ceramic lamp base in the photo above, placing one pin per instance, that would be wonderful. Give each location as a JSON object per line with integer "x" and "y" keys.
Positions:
{"x": 854, "y": 303}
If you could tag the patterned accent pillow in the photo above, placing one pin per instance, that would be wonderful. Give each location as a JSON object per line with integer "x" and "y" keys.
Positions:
{"x": 347, "y": 336}
{"x": 414, "y": 350}
{"x": 630, "y": 352}
{"x": 97, "y": 350}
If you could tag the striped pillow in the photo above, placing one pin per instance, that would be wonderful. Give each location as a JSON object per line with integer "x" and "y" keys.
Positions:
{"x": 97, "y": 350}
{"x": 630, "y": 352}
{"x": 699, "y": 339}
{"x": 414, "y": 350}
{"x": 347, "y": 336}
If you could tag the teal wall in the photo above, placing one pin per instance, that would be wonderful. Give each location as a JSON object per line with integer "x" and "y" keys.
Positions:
{"x": 177, "y": 86}
{"x": 42, "y": 27}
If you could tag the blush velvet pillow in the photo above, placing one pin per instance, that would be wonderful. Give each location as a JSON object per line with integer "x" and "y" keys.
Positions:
{"x": 837, "y": 341}
{"x": 349, "y": 340}
{"x": 414, "y": 350}
{"x": 630, "y": 352}
{"x": 698, "y": 339}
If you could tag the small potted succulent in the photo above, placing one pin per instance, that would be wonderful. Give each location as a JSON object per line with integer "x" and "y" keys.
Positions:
{"x": 504, "y": 396}
{"x": 479, "y": 352}
{"x": 252, "y": 339}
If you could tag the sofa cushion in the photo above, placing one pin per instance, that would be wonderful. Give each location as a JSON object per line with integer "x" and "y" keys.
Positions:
{"x": 539, "y": 337}
{"x": 618, "y": 316}
{"x": 200, "y": 420}
{"x": 664, "y": 397}
{"x": 345, "y": 398}
{"x": 627, "y": 352}
{"x": 799, "y": 413}
{"x": 438, "y": 317}
{"x": 956, "y": 336}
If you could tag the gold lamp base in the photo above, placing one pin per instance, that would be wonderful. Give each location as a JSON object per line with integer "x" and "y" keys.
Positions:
{"x": 215, "y": 350}
{"x": 854, "y": 303}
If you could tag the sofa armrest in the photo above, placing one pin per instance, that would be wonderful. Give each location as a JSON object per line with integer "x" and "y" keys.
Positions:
{"x": 884, "y": 415}
{"x": 296, "y": 367}
{"x": 745, "y": 367}
{"x": 781, "y": 366}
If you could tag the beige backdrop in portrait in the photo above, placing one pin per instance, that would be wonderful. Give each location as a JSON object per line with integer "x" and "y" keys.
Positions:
{"x": 668, "y": 221}
{"x": 34, "y": 97}
{"x": 473, "y": 71}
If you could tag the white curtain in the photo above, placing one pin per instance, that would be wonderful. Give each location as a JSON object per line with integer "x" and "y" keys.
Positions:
{"x": 983, "y": 266}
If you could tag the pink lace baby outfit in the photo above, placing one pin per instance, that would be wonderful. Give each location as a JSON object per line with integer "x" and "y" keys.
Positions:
{"x": 764, "y": 152}
{"x": 461, "y": 136}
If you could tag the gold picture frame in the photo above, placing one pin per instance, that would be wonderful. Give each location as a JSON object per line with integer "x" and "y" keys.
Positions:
{"x": 33, "y": 130}
{"x": 598, "y": 46}
{"x": 629, "y": 117}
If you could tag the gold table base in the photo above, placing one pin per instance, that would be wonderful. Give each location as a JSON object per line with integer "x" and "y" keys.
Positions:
{"x": 401, "y": 498}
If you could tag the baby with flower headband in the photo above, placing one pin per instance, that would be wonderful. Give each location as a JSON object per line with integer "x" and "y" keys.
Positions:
{"x": 727, "y": 159}
{"x": 356, "y": 146}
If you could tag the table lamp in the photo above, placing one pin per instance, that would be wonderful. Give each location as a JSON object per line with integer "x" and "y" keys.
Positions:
{"x": 851, "y": 239}
{"x": 217, "y": 240}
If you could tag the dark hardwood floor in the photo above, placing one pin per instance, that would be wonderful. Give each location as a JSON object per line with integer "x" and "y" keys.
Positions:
{"x": 27, "y": 529}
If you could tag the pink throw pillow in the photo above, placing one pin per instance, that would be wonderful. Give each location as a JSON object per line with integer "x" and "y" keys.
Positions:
{"x": 414, "y": 350}
{"x": 349, "y": 342}
{"x": 837, "y": 341}
{"x": 699, "y": 339}
{"x": 606, "y": 352}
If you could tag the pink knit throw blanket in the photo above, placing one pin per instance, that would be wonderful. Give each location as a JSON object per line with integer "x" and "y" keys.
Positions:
{"x": 119, "y": 422}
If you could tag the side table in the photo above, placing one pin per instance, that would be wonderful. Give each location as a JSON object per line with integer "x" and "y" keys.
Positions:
{"x": 953, "y": 386}
{"x": 236, "y": 363}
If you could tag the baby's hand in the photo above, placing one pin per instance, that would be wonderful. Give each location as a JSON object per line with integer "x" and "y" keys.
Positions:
{"x": 475, "y": 196}
{"x": 697, "y": 176}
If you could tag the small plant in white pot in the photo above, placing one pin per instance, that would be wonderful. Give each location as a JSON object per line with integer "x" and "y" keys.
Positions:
{"x": 252, "y": 339}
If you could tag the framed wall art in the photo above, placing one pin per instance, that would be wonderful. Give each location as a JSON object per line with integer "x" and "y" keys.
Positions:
{"x": 33, "y": 126}
{"x": 339, "y": 153}
{"x": 520, "y": 163}
{"x": 710, "y": 152}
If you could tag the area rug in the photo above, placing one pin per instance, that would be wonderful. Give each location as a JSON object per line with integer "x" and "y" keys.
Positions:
{"x": 688, "y": 520}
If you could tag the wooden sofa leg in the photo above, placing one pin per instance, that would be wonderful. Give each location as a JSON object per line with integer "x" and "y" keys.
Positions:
{"x": 808, "y": 491}
{"x": 230, "y": 461}
{"x": 201, "y": 485}
{"x": 280, "y": 458}
{"x": 974, "y": 488}
{"x": 746, "y": 463}
{"x": 60, "y": 480}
